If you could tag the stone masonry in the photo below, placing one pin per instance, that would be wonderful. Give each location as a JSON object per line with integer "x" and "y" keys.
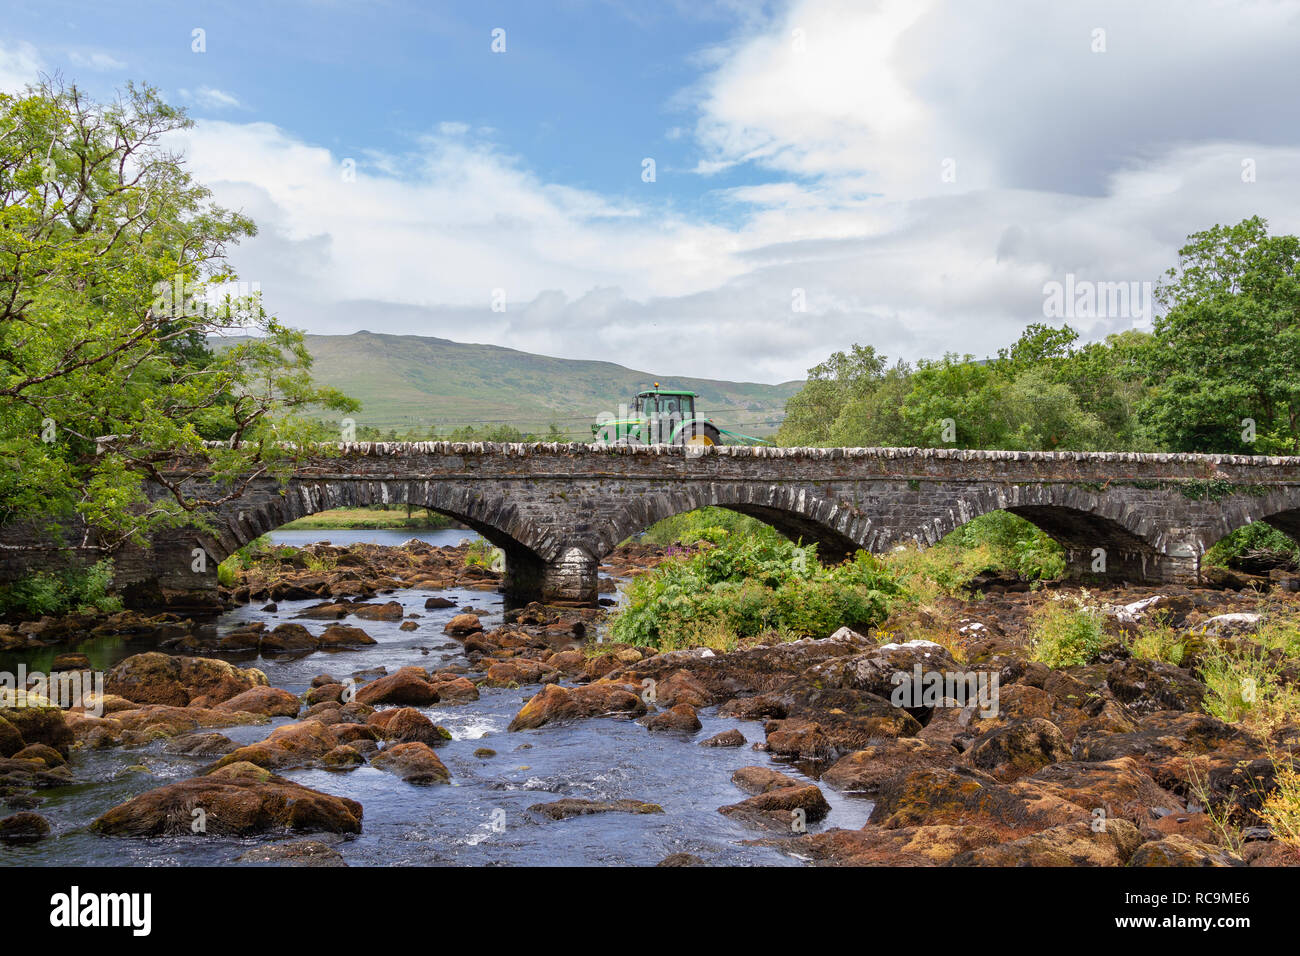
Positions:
{"x": 557, "y": 509}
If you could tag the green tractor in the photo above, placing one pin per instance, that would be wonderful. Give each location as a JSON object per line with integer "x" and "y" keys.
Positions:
{"x": 665, "y": 416}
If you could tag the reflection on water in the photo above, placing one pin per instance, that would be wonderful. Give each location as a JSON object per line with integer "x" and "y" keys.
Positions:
{"x": 483, "y": 817}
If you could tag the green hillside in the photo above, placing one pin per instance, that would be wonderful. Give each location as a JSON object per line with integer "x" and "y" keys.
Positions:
{"x": 414, "y": 383}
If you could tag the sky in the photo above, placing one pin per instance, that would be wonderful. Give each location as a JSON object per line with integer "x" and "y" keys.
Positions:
{"x": 707, "y": 187}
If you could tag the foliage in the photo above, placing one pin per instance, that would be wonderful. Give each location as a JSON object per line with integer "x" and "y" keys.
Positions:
{"x": 708, "y": 524}
{"x": 1041, "y": 394}
{"x": 1155, "y": 639}
{"x": 1281, "y": 807}
{"x": 753, "y": 586}
{"x": 1252, "y": 539}
{"x": 113, "y": 275}
{"x": 1227, "y": 348}
{"x": 260, "y": 549}
{"x": 1066, "y": 631}
{"x": 1246, "y": 687}
{"x": 998, "y": 543}
{"x": 58, "y": 592}
{"x": 1013, "y": 544}
{"x": 480, "y": 553}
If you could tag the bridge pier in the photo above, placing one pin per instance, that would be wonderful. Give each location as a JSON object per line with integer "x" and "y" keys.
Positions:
{"x": 571, "y": 578}
{"x": 1181, "y": 565}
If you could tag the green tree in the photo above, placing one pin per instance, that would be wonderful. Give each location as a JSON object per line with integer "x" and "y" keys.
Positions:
{"x": 957, "y": 402}
{"x": 811, "y": 414}
{"x": 1227, "y": 346}
{"x": 112, "y": 268}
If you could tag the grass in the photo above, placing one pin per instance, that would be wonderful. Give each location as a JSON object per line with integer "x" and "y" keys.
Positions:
{"x": 480, "y": 553}
{"x": 1065, "y": 631}
{"x": 1157, "y": 640}
{"x": 369, "y": 519}
{"x": 1281, "y": 809}
{"x": 1245, "y": 687}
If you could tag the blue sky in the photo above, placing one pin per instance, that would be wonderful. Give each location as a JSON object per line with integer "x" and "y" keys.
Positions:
{"x": 910, "y": 174}
{"x": 585, "y": 89}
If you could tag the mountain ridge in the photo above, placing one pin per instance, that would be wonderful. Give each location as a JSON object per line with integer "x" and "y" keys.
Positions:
{"x": 417, "y": 383}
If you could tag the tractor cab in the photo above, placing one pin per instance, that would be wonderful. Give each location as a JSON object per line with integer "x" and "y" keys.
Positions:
{"x": 677, "y": 406}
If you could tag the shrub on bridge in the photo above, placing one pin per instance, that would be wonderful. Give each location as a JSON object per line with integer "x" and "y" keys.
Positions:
{"x": 743, "y": 587}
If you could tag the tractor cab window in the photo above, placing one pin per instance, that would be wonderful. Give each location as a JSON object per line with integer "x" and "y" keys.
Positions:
{"x": 670, "y": 406}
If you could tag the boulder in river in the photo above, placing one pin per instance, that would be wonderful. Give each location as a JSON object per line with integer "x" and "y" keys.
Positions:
{"x": 728, "y": 738}
{"x": 680, "y": 718}
{"x": 414, "y": 762}
{"x": 294, "y": 745}
{"x": 463, "y": 625}
{"x": 781, "y": 808}
{"x": 408, "y": 685}
{"x": 345, "y": 635}
{"x": 157, "y": 678}
{"x": 11, "y": 740}
{"x": 24, "y": 827}
{"x": 289, "y": 638}
{"x": 268, "y": 701}
{"x": 573, "y": 807}
{"x": 556, "y": 703}
{"x": 408, "y": 724}
{"x": 294, "y": 853}
{"x": 237, "y": 800}
{"x": 35, "y": 725}
{"x": 392, "y": 611}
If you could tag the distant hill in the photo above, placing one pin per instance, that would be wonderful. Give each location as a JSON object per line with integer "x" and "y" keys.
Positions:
{"x": 416, "y": 382}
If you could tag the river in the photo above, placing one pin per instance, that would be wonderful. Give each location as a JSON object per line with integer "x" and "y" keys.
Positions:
{"x": 482, "y": 818}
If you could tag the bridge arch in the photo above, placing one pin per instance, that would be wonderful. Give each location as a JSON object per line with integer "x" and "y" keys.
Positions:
{"x": 838, "y": 530}
{"x": 1100, "y": 535}
{"x": 528, "y": 550}
{"x": 1279, "y": 507}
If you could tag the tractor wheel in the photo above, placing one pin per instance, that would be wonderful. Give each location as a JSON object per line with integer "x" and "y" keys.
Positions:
{"x": 704, "y": 435}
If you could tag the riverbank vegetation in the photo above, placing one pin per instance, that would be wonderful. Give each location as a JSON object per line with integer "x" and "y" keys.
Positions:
{"x": 373, "y": 517}
{"x": 745, "y": 587}
{"x": 75, "y": 590}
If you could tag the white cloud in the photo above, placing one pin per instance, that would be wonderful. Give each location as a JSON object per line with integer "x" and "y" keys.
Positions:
{"x": 209, "y": 98}
{"x": 1066, "y": 162}
{"x": 95, "y": 60}
{"x": 19, "y": 65}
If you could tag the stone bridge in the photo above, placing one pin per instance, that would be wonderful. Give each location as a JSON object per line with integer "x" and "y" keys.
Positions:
{"x": 557, "y": 509}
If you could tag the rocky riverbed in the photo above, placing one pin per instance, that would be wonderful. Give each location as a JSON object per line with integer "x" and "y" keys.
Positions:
{"x": 366, "y": 705}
